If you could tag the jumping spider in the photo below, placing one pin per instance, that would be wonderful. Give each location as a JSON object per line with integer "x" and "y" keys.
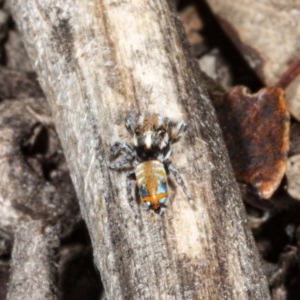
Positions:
{"x": 149, "y": 156}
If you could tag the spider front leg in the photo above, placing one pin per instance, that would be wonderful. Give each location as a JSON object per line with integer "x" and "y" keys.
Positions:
{"x": 178, "y": 178}
{"x": 126, "y": 161}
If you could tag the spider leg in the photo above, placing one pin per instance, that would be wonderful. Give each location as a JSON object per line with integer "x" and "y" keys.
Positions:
{"x": 177, "y": 129}
{"x": 122, "y": 164}
{"x": 129, "y": 157}
{"x": 129, "y": 185}
{"x": 119, "y": 147}
{"x": 178, "y": 178}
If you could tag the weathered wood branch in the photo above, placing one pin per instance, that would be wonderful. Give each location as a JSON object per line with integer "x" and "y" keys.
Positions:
{"x": 96, "y": 61}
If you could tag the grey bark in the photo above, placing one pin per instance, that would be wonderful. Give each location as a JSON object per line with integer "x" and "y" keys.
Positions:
{"x": 34, "y": 261}
{"x": 98, "y": 60}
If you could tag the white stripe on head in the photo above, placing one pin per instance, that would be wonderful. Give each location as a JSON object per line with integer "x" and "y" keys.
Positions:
{"x": 148, "y": 139}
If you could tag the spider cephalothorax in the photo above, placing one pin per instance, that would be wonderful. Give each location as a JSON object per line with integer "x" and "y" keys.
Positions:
{"x": 149, "y": 156}
{"x": 153, "y": 134}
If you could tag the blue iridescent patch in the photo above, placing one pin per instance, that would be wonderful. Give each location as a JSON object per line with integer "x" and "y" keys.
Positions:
{"x": 163, "y": 201}
{"x": 143, "y": 191}
{"x": 161, "y": 187}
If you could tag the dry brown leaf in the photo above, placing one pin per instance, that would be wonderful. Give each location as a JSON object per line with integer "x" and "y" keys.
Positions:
{"x": 256, "y": 132}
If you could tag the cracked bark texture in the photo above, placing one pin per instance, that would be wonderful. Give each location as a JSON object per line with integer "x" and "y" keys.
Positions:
{"x": 97, "y": 60}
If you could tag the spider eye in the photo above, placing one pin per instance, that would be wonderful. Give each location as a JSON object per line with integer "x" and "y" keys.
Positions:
{"x": 137, "y": 131}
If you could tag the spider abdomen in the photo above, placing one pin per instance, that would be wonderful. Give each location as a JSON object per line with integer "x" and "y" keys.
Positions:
{"x": 152, "y": 183}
